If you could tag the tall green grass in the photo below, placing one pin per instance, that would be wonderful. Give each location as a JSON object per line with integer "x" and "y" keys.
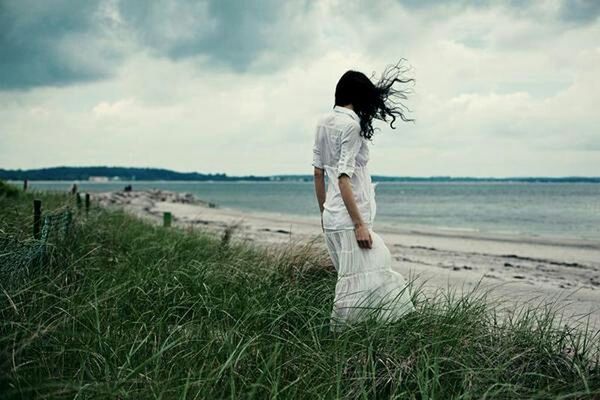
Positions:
{"x": 124, "y": 309}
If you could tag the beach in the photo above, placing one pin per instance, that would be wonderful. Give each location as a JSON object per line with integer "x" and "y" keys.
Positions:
{"x": 517, "y": 270}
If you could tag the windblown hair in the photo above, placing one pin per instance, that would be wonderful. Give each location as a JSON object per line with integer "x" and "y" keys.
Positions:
{"x": 381, "y": 100}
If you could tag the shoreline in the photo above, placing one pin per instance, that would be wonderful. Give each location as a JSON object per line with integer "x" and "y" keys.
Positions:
{"x": 462, "y": 228}
{"x": 517, "y": 269}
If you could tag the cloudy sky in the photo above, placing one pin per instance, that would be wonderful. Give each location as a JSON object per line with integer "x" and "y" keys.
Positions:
{"x": 503, "y": 88}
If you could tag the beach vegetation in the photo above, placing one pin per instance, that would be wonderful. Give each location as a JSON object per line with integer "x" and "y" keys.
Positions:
{"x": 126, "y": 309}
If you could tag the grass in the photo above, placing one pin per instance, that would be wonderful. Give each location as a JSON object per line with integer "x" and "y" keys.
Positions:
{"x": 124, "y": 309}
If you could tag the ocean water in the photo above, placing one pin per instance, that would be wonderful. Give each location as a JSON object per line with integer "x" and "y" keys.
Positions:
{"x": 567, "y": 210}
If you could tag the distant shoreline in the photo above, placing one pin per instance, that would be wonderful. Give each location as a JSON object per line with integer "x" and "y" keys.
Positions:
{"x": 308, "y": 178}
{"x": 126, "y": 174}
{"x": 418, "y": 206}
{"x": 374, "y": 178}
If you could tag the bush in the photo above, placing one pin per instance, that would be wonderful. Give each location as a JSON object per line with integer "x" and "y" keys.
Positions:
{"x": 7, "y": 190}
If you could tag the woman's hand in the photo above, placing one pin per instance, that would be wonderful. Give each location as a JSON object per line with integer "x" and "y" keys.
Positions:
{"x": 323, "y": 229}
{"x": 363, "y": 237}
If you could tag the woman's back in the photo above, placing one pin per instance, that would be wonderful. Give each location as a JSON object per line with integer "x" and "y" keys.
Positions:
{"x": 328, "y": 138}
{"x": 340, "y": 149}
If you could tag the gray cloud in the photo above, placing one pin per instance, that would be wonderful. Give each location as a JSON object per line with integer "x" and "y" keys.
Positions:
{"x": 54, "y": 42}
{"x": 65, "y": 42}
{"x": 458, "y": 5}
{"x": 61, "y": 42}
{"x": 579, "y": 11}
{"x": 570, "y": 11}
{"x": 231, "y": 33}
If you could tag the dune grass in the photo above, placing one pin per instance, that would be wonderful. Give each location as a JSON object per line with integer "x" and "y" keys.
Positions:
{"x": 124, "y": 309}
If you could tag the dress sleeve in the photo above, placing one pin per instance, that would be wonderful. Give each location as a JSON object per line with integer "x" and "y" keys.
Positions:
{"x": 350, "y": 145}
{"x": 317, "y": 161}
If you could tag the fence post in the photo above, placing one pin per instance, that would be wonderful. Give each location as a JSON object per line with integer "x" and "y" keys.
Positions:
{"x": 78, "y": 201}
{"x": 25, "y": 184}
{"x": 37, "y": 218}
{"x": 67, "y": 222}
{"x": 167, "y": 217}
{"x": 87, "y": 202}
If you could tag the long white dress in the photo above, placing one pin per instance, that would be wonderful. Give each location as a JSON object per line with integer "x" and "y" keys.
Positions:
{"x": 367, "y": 286}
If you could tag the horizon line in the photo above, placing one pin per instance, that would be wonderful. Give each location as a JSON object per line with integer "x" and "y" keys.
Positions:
{"x": 505, "y": 177}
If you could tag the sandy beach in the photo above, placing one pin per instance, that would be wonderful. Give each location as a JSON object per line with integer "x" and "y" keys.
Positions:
{"x": 517, "y": 270}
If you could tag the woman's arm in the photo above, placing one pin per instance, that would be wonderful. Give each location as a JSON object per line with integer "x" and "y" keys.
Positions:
{"x": 363, "y": 237}
{"x": 351, "y": 142}
{"x": 320, "y": 189}
{"x": 319, "y": 174}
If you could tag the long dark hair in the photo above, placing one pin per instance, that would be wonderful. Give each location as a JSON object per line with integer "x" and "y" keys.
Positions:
{"x": 380, "y": 100}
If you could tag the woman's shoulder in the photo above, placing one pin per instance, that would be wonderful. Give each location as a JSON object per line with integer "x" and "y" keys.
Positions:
{"x": 334, "y": 120}
{"x": 325, "y": 118}
{"x": 350, "y": 129}
{"x": 354, "y": 126}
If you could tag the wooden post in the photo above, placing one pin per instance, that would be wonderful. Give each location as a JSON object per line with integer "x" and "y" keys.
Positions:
{"x": 167, "y": 217}
{"x": 78, "y": 201}
{"x": 37, "y": 218}
{"x": 68, "y": 220}
{"x": 25, "y": 185}
{"x": 87, "y": 202}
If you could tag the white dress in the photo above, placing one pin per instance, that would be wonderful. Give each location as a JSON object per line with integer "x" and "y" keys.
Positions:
{"x": 367, "y": 286}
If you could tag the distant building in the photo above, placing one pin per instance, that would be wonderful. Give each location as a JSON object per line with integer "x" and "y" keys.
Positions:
{"x": 98, "y": 179}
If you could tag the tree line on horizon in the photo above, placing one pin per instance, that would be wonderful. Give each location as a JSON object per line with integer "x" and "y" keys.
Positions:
{"x": 153, "y": 174}
{"x": 120, "y": 173}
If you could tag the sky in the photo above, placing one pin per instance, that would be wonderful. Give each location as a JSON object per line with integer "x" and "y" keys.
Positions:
{"x": 503, "y": 88}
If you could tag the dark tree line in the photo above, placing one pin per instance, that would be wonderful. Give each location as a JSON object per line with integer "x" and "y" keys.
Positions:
{"x": 155, "y": 174}
{"x": 123, "y": 173}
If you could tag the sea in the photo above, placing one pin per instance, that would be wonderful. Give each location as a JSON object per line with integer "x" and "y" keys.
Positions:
{"x": 545, "y": 210}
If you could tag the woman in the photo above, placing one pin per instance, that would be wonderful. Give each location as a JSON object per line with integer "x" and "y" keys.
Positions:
{"x": 366, "y": 286}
